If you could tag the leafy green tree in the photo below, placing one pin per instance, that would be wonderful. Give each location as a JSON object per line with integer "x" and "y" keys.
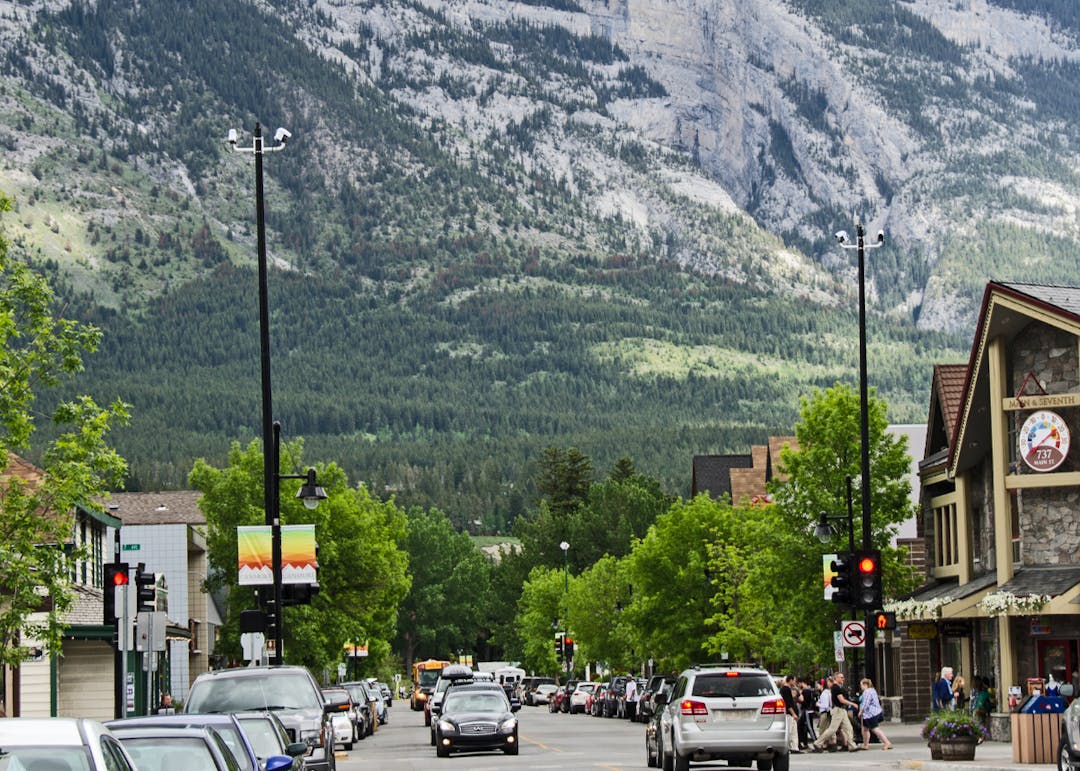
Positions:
{"x": 362, "y": 571}
{"x": 37, "y": 350}
{"x": 447, "y": 605}
{"x": 595, "y": 604}
{"x": 813, "y": 479}
{"x": 541, "y": 611}
{"x": 673, "y": 586}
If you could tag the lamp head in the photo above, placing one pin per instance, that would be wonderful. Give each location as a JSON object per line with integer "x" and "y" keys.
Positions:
{"x": 282, "y": 135}
{"x": 881, "y": 236}
{"x": 842, "y": 236}
{"x": 310, "y": 492}
{"x": 233, "y": 137}
{"x": 564, "y": 546}
{"x": 823, "y": 531}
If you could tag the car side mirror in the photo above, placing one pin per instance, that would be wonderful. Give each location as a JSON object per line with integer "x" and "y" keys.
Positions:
{"x": 278, "y": 763}
{"x": 296, "y": 749}
{"x": 660, "y": 699}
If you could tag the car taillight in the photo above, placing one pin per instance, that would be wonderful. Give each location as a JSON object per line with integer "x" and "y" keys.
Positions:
{"x": 690, "y": 707}
{"x": 773, "y": 707}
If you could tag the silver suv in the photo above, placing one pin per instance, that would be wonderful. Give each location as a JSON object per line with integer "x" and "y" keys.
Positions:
{"x": 731, "y": 712}
{"x": 289, "y": 692}
{"x": 1069, "y": 748}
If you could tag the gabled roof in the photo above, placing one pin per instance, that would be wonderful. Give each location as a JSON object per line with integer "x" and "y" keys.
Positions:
{"x": 178, "y": 507}
{"x": 946, "y": 396}
{"x": 1007, "y": 308}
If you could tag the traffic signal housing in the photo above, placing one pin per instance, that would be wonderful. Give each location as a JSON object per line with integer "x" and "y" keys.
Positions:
{"x": 841, "y": 582}
{"x": 884, "y": 620}
{"x": 116, "y": 574}
{"x": 298, "y": 594}
{"x": 559, "y": 647}
{"x": 867, "y": 579}
{"x": 568, "y": 648}
{"x": 146, "y": 590}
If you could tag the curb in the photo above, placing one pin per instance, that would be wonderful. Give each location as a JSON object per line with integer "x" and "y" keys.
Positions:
{"x": 938, "y": 765}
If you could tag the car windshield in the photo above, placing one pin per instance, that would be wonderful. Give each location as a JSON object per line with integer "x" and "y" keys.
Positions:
{"x": 283, "y": 690}
{"x": 156, "y": 753}
{"x": 358, "y": 693}
{"x": 50, "y": 758}
{"x": 263, "y": 736}
{"x": 586, "y": 687}
{"x": 428, "y": 677}
{"x": 733, "y": 685}
{"x": 474, "y": 702}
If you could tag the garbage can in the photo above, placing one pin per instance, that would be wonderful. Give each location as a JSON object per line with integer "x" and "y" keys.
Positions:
{"x": 1036, "y": 729}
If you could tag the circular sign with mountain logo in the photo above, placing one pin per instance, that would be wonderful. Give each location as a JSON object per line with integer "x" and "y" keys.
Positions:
{"x": 1044, "y": 440}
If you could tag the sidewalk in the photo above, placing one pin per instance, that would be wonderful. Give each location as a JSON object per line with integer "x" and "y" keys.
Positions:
{"x": 910, "y": 751}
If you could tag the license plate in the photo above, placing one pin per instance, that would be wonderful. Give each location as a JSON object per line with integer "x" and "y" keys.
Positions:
{"x": 733, "y": 714}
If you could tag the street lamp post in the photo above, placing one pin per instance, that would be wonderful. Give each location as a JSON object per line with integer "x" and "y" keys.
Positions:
{"x": 566, "y": 589}
{"x": 271, "y": 430}
{"x": 864, "y": 408}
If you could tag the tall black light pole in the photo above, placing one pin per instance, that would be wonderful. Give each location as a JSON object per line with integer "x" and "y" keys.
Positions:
{"x": 271, "y": 430}
{"x": 864, "y": 413}
{"x": 566, "y": 589}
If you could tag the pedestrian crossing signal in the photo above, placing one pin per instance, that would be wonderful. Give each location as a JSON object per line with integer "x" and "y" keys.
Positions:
{"x": 884, "y": 620}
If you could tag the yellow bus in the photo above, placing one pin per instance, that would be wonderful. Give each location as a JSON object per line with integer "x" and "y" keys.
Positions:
{"x": 424, "y": 675}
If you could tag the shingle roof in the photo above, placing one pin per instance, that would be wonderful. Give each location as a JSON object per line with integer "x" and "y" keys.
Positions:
{"x": 1045, "y": 579}
{"x": 1066, "y": 298}
{"x": 949, "y": 382}
{"x": 179, "y": 507}
{"x": 712, "y": 473}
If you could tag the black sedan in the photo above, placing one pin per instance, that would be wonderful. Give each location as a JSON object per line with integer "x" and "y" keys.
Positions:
{"x": 476, "y": 717}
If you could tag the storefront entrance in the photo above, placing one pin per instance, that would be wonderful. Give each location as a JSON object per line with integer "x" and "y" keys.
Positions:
{"x": 1058, "y": 658}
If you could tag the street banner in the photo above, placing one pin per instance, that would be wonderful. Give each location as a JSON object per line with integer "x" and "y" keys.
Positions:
{"x": 255, "y": 555}
{"x": 827, "y": 571}
{"x": 254, "y": 548}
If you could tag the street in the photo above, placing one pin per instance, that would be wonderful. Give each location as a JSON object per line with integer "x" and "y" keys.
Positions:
{"x": 557, "y": 741}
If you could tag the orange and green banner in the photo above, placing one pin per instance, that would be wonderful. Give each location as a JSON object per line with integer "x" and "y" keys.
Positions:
{"x": 255, "y": 554}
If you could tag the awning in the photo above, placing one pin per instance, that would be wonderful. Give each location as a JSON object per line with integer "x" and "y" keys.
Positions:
{"x": 945, "y": 598}
{"x": 1061, "y": 583}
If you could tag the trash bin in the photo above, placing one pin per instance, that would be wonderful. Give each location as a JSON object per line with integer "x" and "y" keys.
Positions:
{"x": 1036, "y": 730}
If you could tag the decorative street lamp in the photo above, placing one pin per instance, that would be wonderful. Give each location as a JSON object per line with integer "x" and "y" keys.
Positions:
{"x": 566, "y": 589}
{"x": 864, "y": 406}
{"x": 310, "y": 492}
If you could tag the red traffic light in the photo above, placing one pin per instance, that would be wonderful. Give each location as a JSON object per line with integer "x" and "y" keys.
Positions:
{"x": 867, "y": 565}
{"x": 120, "y": 578}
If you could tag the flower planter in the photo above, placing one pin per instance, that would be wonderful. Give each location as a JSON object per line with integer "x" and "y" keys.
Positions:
{"x": 960, "y": 748}
{"x": 935, "y": 749}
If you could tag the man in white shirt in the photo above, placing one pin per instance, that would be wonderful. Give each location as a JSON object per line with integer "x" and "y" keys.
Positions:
{"x": 631, "y": 697}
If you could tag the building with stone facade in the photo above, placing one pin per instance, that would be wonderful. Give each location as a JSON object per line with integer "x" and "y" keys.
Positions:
{"x": 1000, "y": 504}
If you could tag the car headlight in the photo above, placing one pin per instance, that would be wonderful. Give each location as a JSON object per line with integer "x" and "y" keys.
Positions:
{"x": 508, "y": 726}
{"x": 447, "y": 727}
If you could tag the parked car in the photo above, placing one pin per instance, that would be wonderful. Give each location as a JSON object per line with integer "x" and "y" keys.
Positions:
{"x": 269, "y": 738}
{"x": 362, "y": 698}
{"x": 384, "y": 689}
{"x": 226, "y": 725}
{"x": 554, "y": 699}
{"x": 654, "y": 750}
{"x": 81, "y": 743}
{"x": 645, "y": 707}
{"x": 596, "y": 699}
{"x": 167, "y": 748}
{"x": 579, "y": 699}
{"x": 1068, "y": 756}
{"x": 732, "y": 712}
{"x": 564, "y": 700}
{"x": 288, "y": 691}
{"x": 544, "y": 693}
{"x": 342, "y": 704}
{"x": 476, "y": 717}
{"x": 529, "y": 690}
{"x": 613, "y": 694}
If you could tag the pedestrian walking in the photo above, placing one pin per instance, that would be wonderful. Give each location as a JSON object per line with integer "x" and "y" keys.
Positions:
{"x": 791, "y": 711}
{"x": 807, "y": 714}
{"x": 960, "y": 697}
{"x": 824, "y": 706}
{"x": 943, "y": 695}
{"x": 839, "y": 721}
{"x": 631, "y": 698}
{"x": 871, "y": 712}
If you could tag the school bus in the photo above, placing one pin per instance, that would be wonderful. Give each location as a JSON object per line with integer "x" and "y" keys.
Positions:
{"x": 424, "y": 675}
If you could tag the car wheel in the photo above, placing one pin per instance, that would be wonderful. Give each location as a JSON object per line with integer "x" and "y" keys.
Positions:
{"x": 650, "y": 756}
{"x": 1064, "y": 759}
{"x": 347, "y": 746}
{"x": 780, "y": 762}
{"x": 765, "y": 765}
{"x": 667, "y": 760}
{"x": 434, "y": 738}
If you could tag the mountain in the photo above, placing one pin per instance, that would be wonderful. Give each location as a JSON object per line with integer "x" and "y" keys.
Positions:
{"x": 503, "y": 225}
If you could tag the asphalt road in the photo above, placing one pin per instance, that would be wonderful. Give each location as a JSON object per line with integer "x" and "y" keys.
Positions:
{"x": 550, "y": 742}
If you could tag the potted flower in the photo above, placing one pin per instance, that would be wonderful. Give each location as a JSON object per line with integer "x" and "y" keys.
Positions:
{"x": 955, "y": 733}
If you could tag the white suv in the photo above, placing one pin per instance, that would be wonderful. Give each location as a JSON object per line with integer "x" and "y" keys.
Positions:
{"x": 731, "y": 712}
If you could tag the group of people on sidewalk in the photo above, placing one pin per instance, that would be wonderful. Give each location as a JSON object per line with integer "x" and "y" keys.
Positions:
{"x": 823, "y": 717}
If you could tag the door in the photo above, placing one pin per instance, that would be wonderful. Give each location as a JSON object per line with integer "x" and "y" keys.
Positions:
{"x": 1057, "y": 658}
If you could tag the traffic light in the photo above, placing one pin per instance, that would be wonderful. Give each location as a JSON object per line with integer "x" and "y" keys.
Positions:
{"x": 841, "y": 568}
{"x": 884, "y": 620}
{"x": 568, "y": 648}
{"x": 146, "y": 591}
{"x": 559, "y": 647}
{"x": 298, "y": 594}
{"x": 867, "y": 581}
{"x": 116, "y": 574}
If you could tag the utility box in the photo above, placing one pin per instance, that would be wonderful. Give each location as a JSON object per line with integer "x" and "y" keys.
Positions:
{"x": 1035, "y": 736}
